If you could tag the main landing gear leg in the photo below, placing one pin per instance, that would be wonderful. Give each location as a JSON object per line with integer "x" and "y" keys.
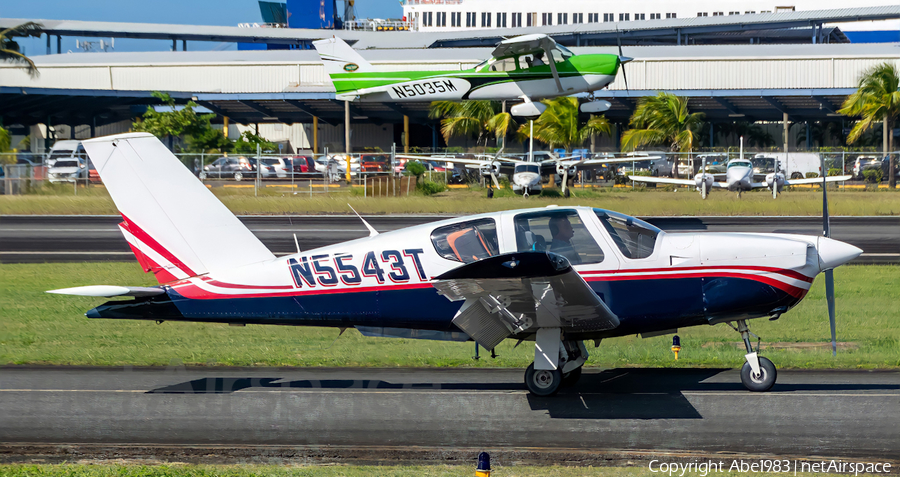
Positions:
{"x": 557, "y": 363}
{"x": 758, "y": 373}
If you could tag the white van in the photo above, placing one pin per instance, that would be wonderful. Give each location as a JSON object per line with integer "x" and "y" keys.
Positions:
{"x": 65, "y": 149}
{"x": 794, "y": 165}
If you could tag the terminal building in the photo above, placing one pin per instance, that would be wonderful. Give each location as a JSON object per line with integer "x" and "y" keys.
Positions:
{"x": 286, "y": 95}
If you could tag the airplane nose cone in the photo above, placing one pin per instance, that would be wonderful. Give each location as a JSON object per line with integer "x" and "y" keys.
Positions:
{"x": 833, "y": 253}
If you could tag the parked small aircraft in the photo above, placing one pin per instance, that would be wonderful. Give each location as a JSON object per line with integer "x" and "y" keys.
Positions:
{"x": 739, "y": 177}
{"x": 523, "y": 68}
{"x": 558, "y": 276}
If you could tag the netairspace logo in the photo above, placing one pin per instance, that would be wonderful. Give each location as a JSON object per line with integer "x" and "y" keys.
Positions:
{"x": 782, "y": 466}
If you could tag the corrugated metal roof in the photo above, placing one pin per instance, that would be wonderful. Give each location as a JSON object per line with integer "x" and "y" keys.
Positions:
{"x": 469, "y": 55}
{"x": 426, "y": 39}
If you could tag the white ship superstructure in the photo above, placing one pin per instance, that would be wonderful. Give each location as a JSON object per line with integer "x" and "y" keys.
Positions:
{"x": 449, "y": 15}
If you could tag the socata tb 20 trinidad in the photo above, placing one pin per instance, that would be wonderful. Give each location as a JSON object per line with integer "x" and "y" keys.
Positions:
{"x": 557, "y": 276}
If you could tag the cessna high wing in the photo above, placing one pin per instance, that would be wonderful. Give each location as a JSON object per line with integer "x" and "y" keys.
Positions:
{"x": 526, "y": 177}
{"x": 527, "y": 67}
{"x": 555, "y": 276}
{"x": 739, "y": 177}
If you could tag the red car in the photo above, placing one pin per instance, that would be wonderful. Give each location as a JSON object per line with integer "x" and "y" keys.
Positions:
{"x": 372, "y": 163}
{"x": 304, "y": 165}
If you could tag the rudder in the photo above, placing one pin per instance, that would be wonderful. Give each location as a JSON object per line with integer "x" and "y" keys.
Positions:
{"x": 174, "y": 224}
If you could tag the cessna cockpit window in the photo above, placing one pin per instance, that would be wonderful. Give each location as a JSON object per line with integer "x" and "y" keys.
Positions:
{"x": 559, "y": 231}
{"x": 635, "y": 238}
{"x": 738, "y": 164}
{"x": 533, "y": 168}
{"x": 466, "y": 241}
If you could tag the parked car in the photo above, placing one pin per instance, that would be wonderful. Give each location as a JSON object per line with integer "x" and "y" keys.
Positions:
{"x": 374, "y": 163}
{"x": 863, "y": 163}
{"x": 265, "y": 170}
{"x": 305, "y": 166}
{"x": 281, "y": 166}
{"x": 67, "y": 170}
{"x": 93, "y": 175}
{"x": 233, "y": 167}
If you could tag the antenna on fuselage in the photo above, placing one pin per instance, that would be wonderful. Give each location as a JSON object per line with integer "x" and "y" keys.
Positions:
{"x": 372, "y": 231}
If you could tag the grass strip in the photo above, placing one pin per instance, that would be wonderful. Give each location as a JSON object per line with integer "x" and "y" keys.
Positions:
{"x": 40, "y": 328}
{"x": 169, "y": 470}
{"x": 273, "y": 201}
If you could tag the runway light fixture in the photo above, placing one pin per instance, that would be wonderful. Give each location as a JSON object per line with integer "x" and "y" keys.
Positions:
{"x": 676, "y": 346}
{"x": 484, "y": 465}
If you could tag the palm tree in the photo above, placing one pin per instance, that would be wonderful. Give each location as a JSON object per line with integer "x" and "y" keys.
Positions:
{"x": 877, "y": 98}
{"x": 663, "y": 119}
{"x": 560, "y": 125}
{"x": 9, "y": 49}
{"x": 476, "y": 117}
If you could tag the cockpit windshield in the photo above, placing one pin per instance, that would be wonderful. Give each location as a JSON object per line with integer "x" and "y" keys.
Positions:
{"x": 739, "y": 164}
{"x": 533, "y": 168}
{"x": 634, "y": 237}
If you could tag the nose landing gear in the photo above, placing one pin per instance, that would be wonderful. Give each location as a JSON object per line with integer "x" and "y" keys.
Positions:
{"x": 545, "y": 377}
{"x": 758, "y": 373}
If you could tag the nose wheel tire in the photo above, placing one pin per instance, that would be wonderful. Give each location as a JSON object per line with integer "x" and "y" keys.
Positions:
{"x": 568, "y": 193}
{"x": 543, "y": 382}
{"x": 759, "y": 382}
{"x": 490, "y": 193}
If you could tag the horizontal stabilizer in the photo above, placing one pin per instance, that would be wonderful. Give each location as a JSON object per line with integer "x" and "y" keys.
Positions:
{"x": 109, "y": 291}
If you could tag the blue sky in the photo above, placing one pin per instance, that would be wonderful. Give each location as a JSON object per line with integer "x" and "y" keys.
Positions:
{"x": 191, "y": 12}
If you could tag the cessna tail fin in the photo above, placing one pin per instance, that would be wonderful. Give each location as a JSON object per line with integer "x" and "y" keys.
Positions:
{"x": 176, "y": 227}
{"x": 341, "y": 61}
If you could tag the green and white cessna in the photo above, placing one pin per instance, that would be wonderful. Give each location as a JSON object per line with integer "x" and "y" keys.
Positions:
{"x": 527, "y": 67}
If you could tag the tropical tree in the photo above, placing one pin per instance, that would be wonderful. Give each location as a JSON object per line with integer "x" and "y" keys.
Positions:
{"x": 663, "y": 119}
{"x": 877, "y": 98}
{"x": 246, "y": 144}
{"x": 181, "y": 121}
{"x": 480, "y": 118}
{"x": 560, "y": 125}
{"x": 5, "y": 144}
{"x": 10, "y": 51}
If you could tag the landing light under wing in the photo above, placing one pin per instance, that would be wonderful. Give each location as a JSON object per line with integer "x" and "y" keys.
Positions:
{"x": 519, "y": 292}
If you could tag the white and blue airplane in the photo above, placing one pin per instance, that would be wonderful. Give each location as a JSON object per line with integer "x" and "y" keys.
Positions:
{"x": 557, "y": 276}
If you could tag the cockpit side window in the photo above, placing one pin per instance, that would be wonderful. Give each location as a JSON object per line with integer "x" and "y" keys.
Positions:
{"x": 635, "y": 238}
{"x": 558, "y": 231}
{"x": 466, "y": 241}
{"x": 505, "y": 64}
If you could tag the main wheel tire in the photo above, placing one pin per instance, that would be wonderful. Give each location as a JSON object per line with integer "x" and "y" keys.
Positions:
{"x": 543, "y": 382}
{"x": 572, "y": 377}
{"x": 762, "y": 382}
{"x": 238, "y": 176}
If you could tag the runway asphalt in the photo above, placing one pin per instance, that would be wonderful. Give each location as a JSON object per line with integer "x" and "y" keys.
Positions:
{"x": 26, "y": 239}
{"x": 847, "y": 414}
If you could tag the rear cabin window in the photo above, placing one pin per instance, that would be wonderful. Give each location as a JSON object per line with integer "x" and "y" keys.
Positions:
{"x": 558, "y": 231}
{"x": 466, "y": 241}
{"x": 634, "y": 237}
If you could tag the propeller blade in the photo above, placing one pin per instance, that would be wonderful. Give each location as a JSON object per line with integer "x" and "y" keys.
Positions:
{"x": 829, "y": 295}
{"x": 826, "y": 226}
{"x": 829, "y": 274}
{"x": 622, "y": 58}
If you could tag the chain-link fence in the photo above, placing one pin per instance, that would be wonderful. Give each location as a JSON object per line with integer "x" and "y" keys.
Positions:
{"x": 310, "y": 173}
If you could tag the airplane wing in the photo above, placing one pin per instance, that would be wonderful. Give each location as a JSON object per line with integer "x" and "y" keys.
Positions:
{"x": 523, "y": 45}
{"x": 611, "y": 160}
{"x": 520, "y": 292}
{"x": 666, "y": 180}
{"x": 815, "y": 180}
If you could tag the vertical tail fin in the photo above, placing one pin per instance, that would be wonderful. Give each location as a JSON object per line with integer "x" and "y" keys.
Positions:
{"x": 341, "y": 62}
{"x": 176, "y": 227}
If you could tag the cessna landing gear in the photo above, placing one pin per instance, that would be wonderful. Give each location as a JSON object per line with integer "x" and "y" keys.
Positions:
{"x": 568, "y": 193}
{"x": 490, "y": 193}
{"x": 544, "y": 378}
{"x": 758, "y": 374}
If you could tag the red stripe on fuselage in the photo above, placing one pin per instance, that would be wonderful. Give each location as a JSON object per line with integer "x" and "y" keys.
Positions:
{"x": 245, "y": 287}
{"x": 792, "y": 290}
{"x": 144, "y": 237}
{"x": 783, "y": 271}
